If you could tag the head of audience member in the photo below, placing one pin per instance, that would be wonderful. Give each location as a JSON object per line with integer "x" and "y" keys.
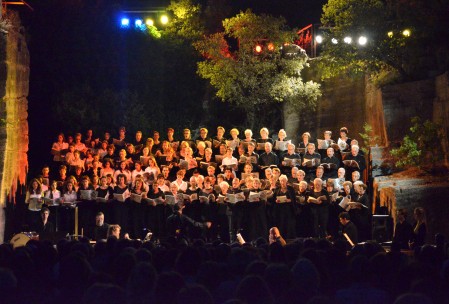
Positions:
{"x": 114, "y": 230}
{"x": 330, "y": 152}
{"x": 268, "y": 147}
{"x": 283, "y": 179}
{"x": 121, "y": 180}
{"x": 211, "y": 171}
{"x": 241, "y": 150}
{"x": 138, "y": 136}
{"x": 276, "y": 173}
{"x": 224, "y": 187}
{"x": 344, "y": 218}
{"x": 220, "y": 132}
{"x": 207, "y": 183}
{"x": 402, "y": 215}
{"x": 327, "y": 135}
{"x": 330, "y": 186}
{"x": 173, "y": 188}
{"x": 251, "y": 147}
{"x": 234, "y": 133}
{"x": 77, "y": 138}
{"x": 220, "y": 178}
{"x": 45, "y": 213}
{"x": 282, "y": 134}
{"x": 355, "y": 176}
{"x": 110, "y": 150}
{"x": 149, "y": 143}
{"x": 294, "y": 171}
{"x": 203, "y": 133}
{"x": 317, "y": 184}
{"x": 341, "y": 172}
{"x": 305, "y": 137}
{"x": 343, "y": 132}
{"x": 186, "y": 134}
{"x": 303, "y": 186}
{"x": 264, "y": 133}
{"x": 69, "y": 187}
{"x": 193, "y": 182}
{"x": 99, "y": 219}
{"x": 347, "y": 186}
{"x": 156, "y": 136}
{"x": 319, "y": 172}
{"x": 291, "y": 149}
{"x": 300, "y": 175}
{"x": 354, "y": 150}
{"x": 228, "y": 173}
{"x": 248, "y": 134}
{"x": 419, "y": 215}
{"x": 70, "y": 139}
{"x": 61, "y": 137}
{"x": 311, "y": 148}
{"x": 235, "y": 183}
{"x": 85, "y": 181}
{"x": 170, "y": 133}
{"x": 268, "y": 173}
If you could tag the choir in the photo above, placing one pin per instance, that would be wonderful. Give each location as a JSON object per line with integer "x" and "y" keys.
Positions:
{"x": 238, "y": 185}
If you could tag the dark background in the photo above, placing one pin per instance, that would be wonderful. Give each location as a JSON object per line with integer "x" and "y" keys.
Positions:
{"x": 86, "y": 72}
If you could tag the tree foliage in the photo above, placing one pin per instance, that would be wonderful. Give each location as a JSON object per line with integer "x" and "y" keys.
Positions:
{"x": 244, "y": 78}
{"x": 421, "y": 147}
{"x": 388, "y": 51}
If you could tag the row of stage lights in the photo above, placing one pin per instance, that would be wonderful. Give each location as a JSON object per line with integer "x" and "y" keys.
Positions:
{"x": 362, "y": 40}
{"x": 141, "y": 23}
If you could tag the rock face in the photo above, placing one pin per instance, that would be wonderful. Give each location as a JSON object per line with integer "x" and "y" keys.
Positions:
{"x": 416, "y": 190}
{"x": 352, "y": 102}
{"x": 14, "y": 81}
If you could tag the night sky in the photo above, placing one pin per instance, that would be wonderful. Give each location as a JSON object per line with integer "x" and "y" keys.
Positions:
{"x": 55, "y": 28}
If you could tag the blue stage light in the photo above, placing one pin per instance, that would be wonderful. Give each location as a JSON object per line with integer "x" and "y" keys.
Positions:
{"x": 124, "y": 22}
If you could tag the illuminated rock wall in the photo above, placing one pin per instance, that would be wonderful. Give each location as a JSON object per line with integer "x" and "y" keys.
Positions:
{"x": 14, "y": 77}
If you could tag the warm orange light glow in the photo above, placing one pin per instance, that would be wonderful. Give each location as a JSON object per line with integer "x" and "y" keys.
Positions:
{"x": 270, "y": 47}
{"x": 258, "y": 49}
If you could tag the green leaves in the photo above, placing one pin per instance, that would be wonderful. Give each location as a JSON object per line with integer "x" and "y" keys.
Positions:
{"x": 247, "y": 78}
{"x": 422, "y": 146}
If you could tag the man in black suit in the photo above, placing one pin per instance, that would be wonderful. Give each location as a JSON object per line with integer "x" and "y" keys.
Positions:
{"x": 101, "y": 228}
{"x": 348, "y": 228}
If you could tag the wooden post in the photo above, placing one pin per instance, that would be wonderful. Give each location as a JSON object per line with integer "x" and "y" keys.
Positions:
{"x": 76, "y": 222}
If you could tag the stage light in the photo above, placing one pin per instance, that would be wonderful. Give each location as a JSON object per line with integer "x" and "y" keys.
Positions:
{"x": 124, "y": 22}
{"x": 347, "y": 40}
{"x": 334, "y": 41}
{"x": 149, "y": 22}
{"x": 164, "y": 19}
{"x": 319, "y": 39}
{"x": 270, "y": 47}
{"x": 138, "y": 23}
{"x": 258, "y": 49}
{"x": 363, "y": 40}
{"x": 406, "y": 33}
{"x": 390, "y": 34}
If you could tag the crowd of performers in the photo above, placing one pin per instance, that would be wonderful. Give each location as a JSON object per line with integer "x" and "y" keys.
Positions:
{"x": 223, "y": 185}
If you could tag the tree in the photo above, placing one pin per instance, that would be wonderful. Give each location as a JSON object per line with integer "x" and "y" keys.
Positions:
{"x": 249, "y": 79}
{"x": 388, "y": 49}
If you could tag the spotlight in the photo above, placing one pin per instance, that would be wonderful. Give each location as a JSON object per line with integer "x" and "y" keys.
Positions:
{"x": 406, "y": 33}
{"x": 138, "y": 22}
{"x": 390, "y": 34}
{"x": 258, "y": 49}
{"x": 334, "y": 41}
{"x": 270, "y": 47}
{"x": 164, "y": 19}
{"x": 363, "y": 40}
{"x": 319, "y": 39}
{"x": 347, "y": 40}
{"x": 124, "y": 22}
{"x": 149, "y": 22}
